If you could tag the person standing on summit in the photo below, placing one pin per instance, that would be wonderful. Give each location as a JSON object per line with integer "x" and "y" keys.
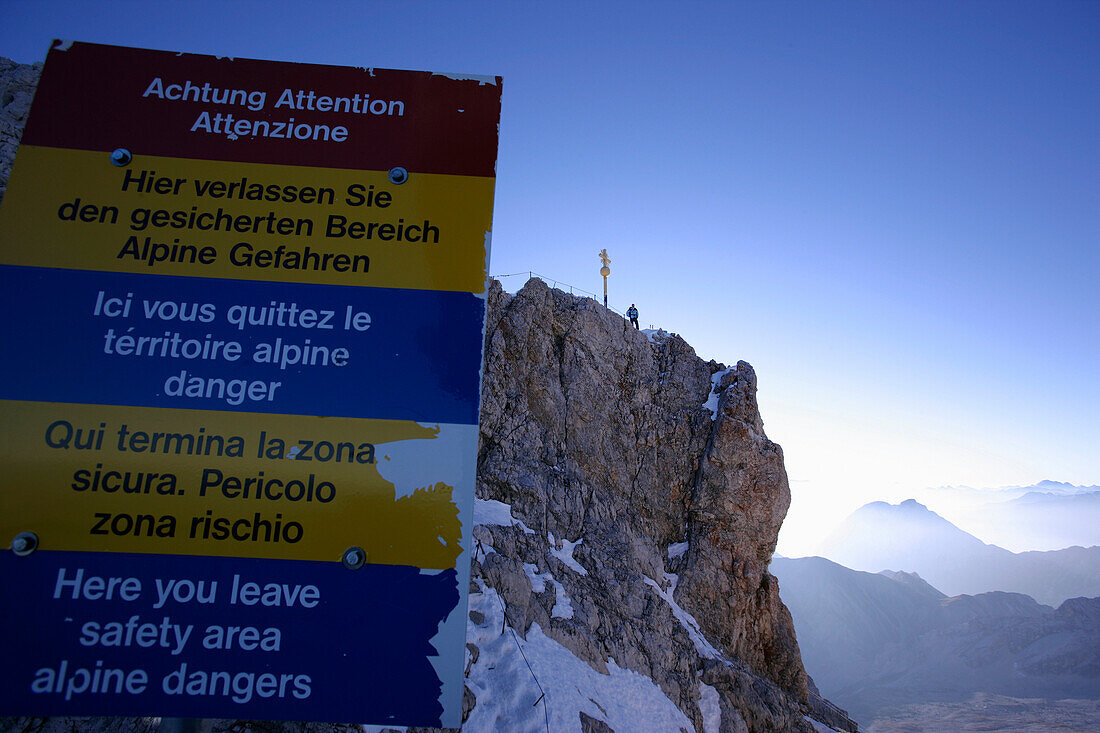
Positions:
{"x": 632, "y": 314}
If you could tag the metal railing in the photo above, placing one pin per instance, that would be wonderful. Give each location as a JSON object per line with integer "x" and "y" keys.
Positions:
{"x": 831, "y": 714}
{"x": 559, "y": 285}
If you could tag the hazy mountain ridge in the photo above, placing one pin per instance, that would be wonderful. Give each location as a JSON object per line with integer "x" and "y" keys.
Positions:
{"x": 1039, "y": 521}
{"x": 1049, "y": 515}
{"x": 913, "y": 582}
{"x": 910, "y": 537}
{"x": 874, "y": 644}
{"x": 971, "y": 495}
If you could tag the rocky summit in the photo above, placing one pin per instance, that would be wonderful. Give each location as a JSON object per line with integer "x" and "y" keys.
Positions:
{"x": 600, "y": 439}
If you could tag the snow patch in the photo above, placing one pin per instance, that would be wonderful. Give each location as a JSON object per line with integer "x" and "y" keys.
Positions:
{"x": 710, "y": 708}
{"x": 565, "y": 554}
{"x": 712, "y": 401}
{"x": 677, "y": 549}
{"x": 493, "y": 512}
{"x": 508, "y": 694}
{"x": 538, "y": 580}
{"x": 819, "y": 727}
{"x": 688, "y": 621}
{"x": 656, "y": 335}
{"x": 563, "y": 604}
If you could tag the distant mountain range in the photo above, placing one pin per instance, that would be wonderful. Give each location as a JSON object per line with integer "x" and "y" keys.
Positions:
{"x": 972, "y": 496}
{"x": 909, "y": 537}
{"x": 1037, "y": 521}
{"x": 876, "y": 642}
{"x": 1049, "y": 515}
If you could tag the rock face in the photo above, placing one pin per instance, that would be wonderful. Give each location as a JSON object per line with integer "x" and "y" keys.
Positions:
{"x": 641, "y": 503}
{"x": 598, "y": 438}
{"x": 17, "y": 84}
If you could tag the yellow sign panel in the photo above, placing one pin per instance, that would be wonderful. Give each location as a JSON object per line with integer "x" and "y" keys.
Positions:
{"x": 255, "y": 221}
{"x": 211, "y": 483}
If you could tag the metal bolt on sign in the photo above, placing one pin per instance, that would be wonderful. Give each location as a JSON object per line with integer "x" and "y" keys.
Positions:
{"x": 121, "y": 157}
{"x": 24, "y": 543}
{"x": 354, "y": 558}
{"x": 398, "y": 175}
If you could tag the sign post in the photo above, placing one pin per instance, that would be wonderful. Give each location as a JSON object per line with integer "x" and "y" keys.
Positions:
{"x": 244, "y": 304}
{"x": 605, "y": 271}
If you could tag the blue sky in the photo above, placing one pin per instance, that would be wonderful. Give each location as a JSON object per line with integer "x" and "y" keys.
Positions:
{"x": 892, "y": 210}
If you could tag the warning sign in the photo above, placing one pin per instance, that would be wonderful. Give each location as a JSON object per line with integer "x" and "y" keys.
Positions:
{"x": 244, "y": 304}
